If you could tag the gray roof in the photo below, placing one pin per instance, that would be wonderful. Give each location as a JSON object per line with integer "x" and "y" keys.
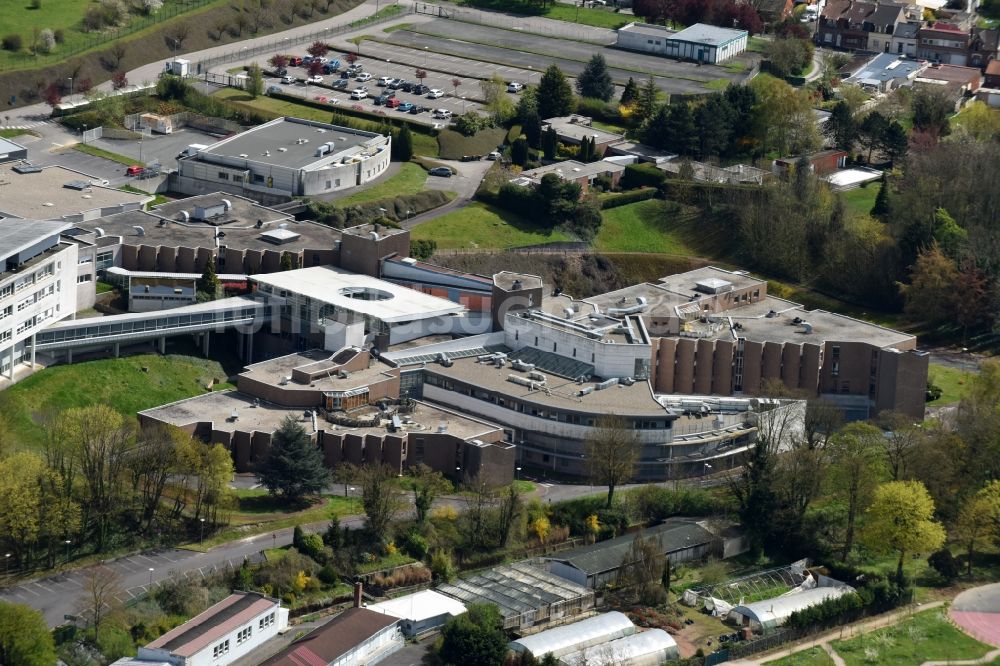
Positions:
{"x": 8, "y": 146}
{"x": 906, "y": 30}
{"x": 701, "y": 33}
{"x": 17, "y": 234}
{"x": 886, "y": 67}
{"x": 263, "y": 144}
{"x": 602, "y": 556}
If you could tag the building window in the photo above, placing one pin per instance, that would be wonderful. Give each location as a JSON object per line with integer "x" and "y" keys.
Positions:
{"x": 244, "y": 635}
{"x": 105, "y": 259}
{"x": 258, "y": 178}
{"x": 223, "y": 175}
{"x": 266, "y": 621}
{"x": 80, "y": 279}
{"x": 220, "y": 649}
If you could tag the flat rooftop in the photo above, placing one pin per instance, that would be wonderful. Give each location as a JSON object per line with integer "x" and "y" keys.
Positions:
{"x": 213, "y": 624}
{"x": 419, "y": 606}
{"x": 701, "y": 33}
{"x": 7, "y": 147}
{"x": 572, "y": 169}
{"x": 826, "y": 326}
{"x": 577, "y": 127}
{"x": 363, "y": 294}
{"x": 505, "y": 280}
{"x": 239, "y": 210}
{"x": 43, "y": 195}
{"x": 274, "y": 371}
{"x": 886, "y": 67}
{"x": 172, "y": 232}
{"x": 558, "y": 392}
{"x": 17, "y": 235}
{"x": 288, "y": 142}
{"x": 682, "y": 283}
{"x": 647, "y": 29}
{"x": 365, "y": 230}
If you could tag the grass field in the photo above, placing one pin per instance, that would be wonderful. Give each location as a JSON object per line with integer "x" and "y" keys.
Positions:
{"x": 861, "y": 199}
{"x": 481, "y": 226}
{"x": 599, "y": 18}
{"x": 423, "y": 144}
{"x": 106, "y": 154}
{"x": 952, "y": 382}
{"x": 11, "y": 133}
{"x": 644, "y": 226}
{"x": 922, "y": 637}
{"x": 717, "y": 84}
{"x": 814, "y": 656}
{"x": 410, "y": 179}
{"x": 120, "y": 383}
{"x": 453, "y": 145}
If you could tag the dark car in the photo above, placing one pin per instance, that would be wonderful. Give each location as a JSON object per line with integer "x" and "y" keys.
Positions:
{"x": 281, "y": 71}
{"x": 419, "y": 109}
{"x": 406, "y": 86}
{"x": 340, "y": 84}
{"x": 383, "y": 98}
{"x": 344, "y": 75}
{"x": 420, "y": 89}
{"x": 444, "y": 172}
{"x": 397, "y": 84}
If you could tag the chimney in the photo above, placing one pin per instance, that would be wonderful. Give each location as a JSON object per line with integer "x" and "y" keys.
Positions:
{"x": 357, "y": 595}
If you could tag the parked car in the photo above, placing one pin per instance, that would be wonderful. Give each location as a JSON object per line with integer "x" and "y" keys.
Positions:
{"x": 420, "y": 89}
{"x": 307, "y": 59}
{"x": 494, "y": 156}
{"x": 443, "y": 114}
{"x": 331, "y": 67}
{"x": 359, "y": 93}
{"x": 133, "y": 170}
{"x": 333, "y": 100}
{"x": 405, "y": 107}
{"x": 288, "y": 79}
{"x": 341, "y": 84}
{"x": 419, "y": 109}
{"x": 444, "y": 172}
{"x": 434, "y": 93}
{"x": 321, "y": 60}
{"x": 392, "y": 103}
{"x": 383, "y": 81}
{"x": 363, "y": 76}
{"x": 396, "y": 84}
{"x": 381, "y": 99}
{"x": 281, "y": 71}
{"x": 406, "y": 86}
{"x": 273, "y": 89}
{"x": 515, "y": 87}
{"x": 315, "y": 79}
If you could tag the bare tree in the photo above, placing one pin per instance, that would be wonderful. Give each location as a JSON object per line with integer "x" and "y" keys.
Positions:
{"x": 102, "y": 589}
{"x": 642, "y": 570}
{"x": 150, "y": 465}
{"x": 426, "y": 484}
{"x": 901, "y": 437}
{"x": 117, "y": 53}
{"x": 379, "y": 497}
{"x": 180, "y": 33}
{"x": 480, "y": 500}
{"x": 219, "y": 26}
{"x": 611, "y": 453}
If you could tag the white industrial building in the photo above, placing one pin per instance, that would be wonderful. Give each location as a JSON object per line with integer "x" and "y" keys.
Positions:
{"x": 226, "y": 632}
{"x": 284, "y": 158}
{"x": 700, "y": 42}
{"x": 420, "y": 612}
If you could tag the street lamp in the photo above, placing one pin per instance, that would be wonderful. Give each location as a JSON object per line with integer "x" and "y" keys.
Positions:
{"x": 387, "y": 61}
{"x": 67, "y": 542}
{"x": 6, "y": 565}
{"x": 201, "y": 535}
{"x": 517, "y": 473}
{"x": 84, "y": 134}
{"x": 150, "y": 577}
{"x": 408, "y": 214}
{"x": 70, "y": 85}
{"x": 425, "y": 57}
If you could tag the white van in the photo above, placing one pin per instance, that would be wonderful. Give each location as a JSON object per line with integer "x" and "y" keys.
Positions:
{"x": 192, "y": 150}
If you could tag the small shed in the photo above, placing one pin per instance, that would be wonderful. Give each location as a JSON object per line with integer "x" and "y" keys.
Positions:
{"x": 649, "y": 648}
{"x": 575, "y": 637}
{"x": 420, "y": 612}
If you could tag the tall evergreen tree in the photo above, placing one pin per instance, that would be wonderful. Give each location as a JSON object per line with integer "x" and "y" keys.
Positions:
{"x": 714, "y": 121}
{"x": 883, "y": 205}
{"x": 550, "y": 143}
{"x": 402, "y": 144}
{"x": 208, "y": 284}
{"x": 646, "y": 104}
{"x": 555, "y": 97}
{"x": 630, "y": 94}
{"x": 293, "y": 465}
{"x": 895, "y": 142}
{"x": 531, "y": 125}
{"x": 681, "y": 129}
{"x": 595, "y": 81}
{"x": 840, "y": 127}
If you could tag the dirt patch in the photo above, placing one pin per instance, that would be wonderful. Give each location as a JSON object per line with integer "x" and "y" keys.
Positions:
{"x": 210, "y": 27}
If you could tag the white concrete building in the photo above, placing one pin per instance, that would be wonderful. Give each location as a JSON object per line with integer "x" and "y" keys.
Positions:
{"x": 284, "y": 158}
{"x": 701, "y": 42}
{"x": 229, "y": 630}
{"x": 420, "y": 612}
{"x": 39, "y": 274}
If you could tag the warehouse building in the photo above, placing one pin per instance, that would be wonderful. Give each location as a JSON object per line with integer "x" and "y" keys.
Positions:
{"x": 700, "y": 42}
{"x": 356, "y": 637}
{"x": 420, "y": 612}
{"x": 285, "y": 158}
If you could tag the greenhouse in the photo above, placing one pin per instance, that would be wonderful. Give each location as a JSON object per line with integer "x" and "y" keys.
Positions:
{"x": 575, "y": 637}
{"x": 649, "y": 648}
{"x": 766, "y": 615}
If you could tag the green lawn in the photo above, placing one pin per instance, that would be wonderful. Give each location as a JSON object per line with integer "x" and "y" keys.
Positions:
{"x": 717, "y": 84}
{"x": 453, "y": 145}
{"x": 410, "y": 179}
{"x": 922, "y": 637}
{"x": 644, "y": 226}
{"x": 814, "y": 656}
{"x": 106, "y": 154}
{"x": 600, "y": 18}
{"x": 860, "y": 200}
{"x": 423, "y": 144}
{"x": 157, "y": 198}
{"x": 120, "y": 383}
{"x": 952, "y": 382}
{"x": 481, "y": 226}
{"x": 11, "y": 133}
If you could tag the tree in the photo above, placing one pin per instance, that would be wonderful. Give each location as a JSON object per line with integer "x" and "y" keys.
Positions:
{"x": 52, "y": 95}
{"x": 119, "y": 80}
{"x": 882, "y": 207}
{"x": 931, "y": 107}
{"x": 498, "y": 102}
{"x": 209, "y": 284}
{"x": 208, "y": 470}
{"x": 979, "y": 521}
{"x": 315, "y": 68}
{"x": 555, "y": 97}
{"x": 858, "y": 464}
{"x": 402, "y": 144}
{"x": 151, "y": 465}
{"x": 871, "y": 131}
{"x": 928, "y": 297}
{"x": 788, "y": 56}
{"x": 714, "y": 122}
{"x": 379, "y": 498}
{"x": 595, "y": 80}
{"x": 179, "y": 34}
{"x": 979, "y": 122}
{"x": 840, "y": 127}
{"x": 972, "y": 298}
{"x": 978, "y": 422}
{"x": 426, "y": 484}
{"x": 318, "y": 49}
{"x": 895, "y": 142}
{"x": 646, "y": 104}
{"x": 519, "y": 151}
{"x": 611, "y": 452}
{"x": 900, "y": 436}
{"x": 293, "y": 465}
{"x": 474, "y": 638}
{"x": 642, "y": 570}
{"x": 421, "y": 74}
{"x": 117, "y": 52}
{"x": 102, "y": 590}
{"x": 278, "y": 61}
{"x": 630, "y": 93}
{"x": 531, "y": 125}
{"x": 25, "y": 639}
{"x": 509, "y": 509}
{"x": 255, "y": 80}
{"x": 287, "y": 261}
{"x": 455, "y": 83}
{"x": 550, "y": 143}
{"x": 901, "y": 520}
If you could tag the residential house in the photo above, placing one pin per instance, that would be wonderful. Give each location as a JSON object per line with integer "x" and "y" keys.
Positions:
{"x": 944, "y": 42}
{"x": 992, "y": 79}
{"x": 820, "y": 163}
{"x": 881, "y": 26}
{"x": 885, "y": 72}
{"x": 572, "y": 129}
{"x": 573, "y": 171}
{"x": 859, "y": 25}
{"x": 904, "y": 39}
{"x": 963, "y": 80}
{"x": 984, "y": 46}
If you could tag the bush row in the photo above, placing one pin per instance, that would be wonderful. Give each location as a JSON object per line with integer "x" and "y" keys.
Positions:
{"x": 330, "y": 214}
{"x": 625, "y": 198}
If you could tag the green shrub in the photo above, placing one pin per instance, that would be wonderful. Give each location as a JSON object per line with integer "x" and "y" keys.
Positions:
{"x": 642, "y": 175}
{"x": 442, "y": 565}
{"x": 416, "y": 545}
{"x": 328, "y": 575}
{"x": 468, "y": 124}
{"x": 423, "y": 249}
{"x": 513, "y": 133}
{"x": 598, "y": 110}
{"x": 625, "y": 198}
{"x": 13, "y": 43}
{"x": 330, "y": 214}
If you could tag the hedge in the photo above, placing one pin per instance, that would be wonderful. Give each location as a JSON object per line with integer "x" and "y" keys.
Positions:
{"x": 642, "y": 175}
{"x": 396, "y": 208}
{"x": 625, "y": 198}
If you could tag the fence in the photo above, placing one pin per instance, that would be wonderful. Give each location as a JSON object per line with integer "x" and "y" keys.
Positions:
{"x": 171, "y": 9}
{"x": 93, "y": 134}
{"x": 280, "y": 45}
{"x": 207, "y": 124}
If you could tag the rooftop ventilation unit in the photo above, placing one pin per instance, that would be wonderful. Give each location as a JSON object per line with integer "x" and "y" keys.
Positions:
{"x": 521, "y": 366}
{"x": 607, "y": 383}
{"x": 640, "y": 305}
{"x": 444, "y": 360}
{"x": 185, "y": 216}
{"x": 99, "y": 232}
{"x": 77, "y": 185}
{"x": 585, "y": 391}
{"x": 139, "y": 231}
{"x": 518, "y": 379}
{"x": 515, "y": 285}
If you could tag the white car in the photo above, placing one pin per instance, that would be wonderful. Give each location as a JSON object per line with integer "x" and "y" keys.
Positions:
{"x": 384, "y": 80}
{"x": 434, "y": 93}
{"x": 515, "y": 87}
{"x": 315, "y": 79}
{"x": 360, "y": 93}
{"x": 444, "y": 114}
{"x": 288, "y": 79}
{"x": 364, "y": 76}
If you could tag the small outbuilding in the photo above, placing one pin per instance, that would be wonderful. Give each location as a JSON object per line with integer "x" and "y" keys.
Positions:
{"x": 571, "y": 638}
{"x": 700, "y": 42}
{"x": 421, "y": 612}
{"x": 649, "y": 648}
